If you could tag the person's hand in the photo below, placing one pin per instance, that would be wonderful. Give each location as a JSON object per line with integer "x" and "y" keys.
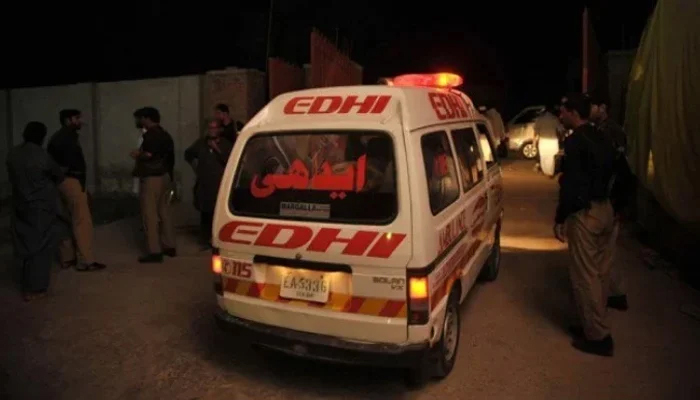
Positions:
{"x": 559, "y": 233}
{"x": 213, "y": 145}
{"x": 134, "y": 154}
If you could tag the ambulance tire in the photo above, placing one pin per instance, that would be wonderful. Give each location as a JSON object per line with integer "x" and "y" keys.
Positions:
{"x": 489, "y": 272}
{"x": 448, "y": 347}
{"x": 442, "y": 356}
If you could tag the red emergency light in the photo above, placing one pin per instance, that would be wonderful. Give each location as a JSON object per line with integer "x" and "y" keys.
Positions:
{"x": 439, "y": 80}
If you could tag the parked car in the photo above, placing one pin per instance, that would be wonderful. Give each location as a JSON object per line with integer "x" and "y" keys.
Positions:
{"x": 521, "y": 132}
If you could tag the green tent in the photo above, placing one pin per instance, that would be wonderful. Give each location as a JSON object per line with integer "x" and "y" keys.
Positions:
{"x": 662, "y": 115}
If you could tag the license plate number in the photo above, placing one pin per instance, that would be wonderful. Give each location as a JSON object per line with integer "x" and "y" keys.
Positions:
{"x": 305, "y": 286}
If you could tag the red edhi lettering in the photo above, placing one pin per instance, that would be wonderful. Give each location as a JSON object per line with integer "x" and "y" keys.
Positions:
{"x": 295, "y": 236}
{"x": 372, "y": 104}
{"x": 448, "y": 105}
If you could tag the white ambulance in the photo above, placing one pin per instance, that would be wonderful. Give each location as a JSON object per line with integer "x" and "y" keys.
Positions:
{"x": 352, "y": 221}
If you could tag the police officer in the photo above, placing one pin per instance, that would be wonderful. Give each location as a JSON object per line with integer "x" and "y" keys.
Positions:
{"x": 585, "y": 218}
{"x": 64, "y": 147}
{"x": 620, "y": 192}
{"x": 155, "y": 161}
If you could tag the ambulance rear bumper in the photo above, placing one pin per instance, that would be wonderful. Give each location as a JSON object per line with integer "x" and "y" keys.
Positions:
{"x": 323, "y": 347}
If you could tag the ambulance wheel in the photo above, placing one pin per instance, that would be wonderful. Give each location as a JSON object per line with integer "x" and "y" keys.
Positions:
{"x": 529, "y": 150}
{"x": 490, "y": 270}
{"x": 446, "y": 348}
{"x": 442, "y": 356}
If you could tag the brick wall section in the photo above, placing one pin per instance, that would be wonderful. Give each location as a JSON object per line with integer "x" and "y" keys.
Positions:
{"x": 330, "y": 67}
{"x": 242, "y": 90}
{"x": 284, "y": 77}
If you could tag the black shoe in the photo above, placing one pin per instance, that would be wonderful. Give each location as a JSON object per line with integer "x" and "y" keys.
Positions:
{"x": 618, "y": 302}
{"x": 151, "y": 259}
{"x": 577, "y": 332}
{"x": 603, "y": 347}
{"x": 170, "y": 252}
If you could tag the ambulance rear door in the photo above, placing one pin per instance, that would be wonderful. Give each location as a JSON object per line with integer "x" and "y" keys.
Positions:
{"x": 320, "y": 212}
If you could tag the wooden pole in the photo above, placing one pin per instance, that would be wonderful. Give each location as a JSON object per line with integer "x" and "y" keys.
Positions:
{"x": 269, "y": 37}
{"x": 584, "y": 55}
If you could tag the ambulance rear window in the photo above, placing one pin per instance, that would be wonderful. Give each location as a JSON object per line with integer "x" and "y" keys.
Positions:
{"x": 331, "y": 176}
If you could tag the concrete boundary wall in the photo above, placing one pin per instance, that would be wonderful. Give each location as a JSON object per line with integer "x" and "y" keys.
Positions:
{"x": 109, "y": 133}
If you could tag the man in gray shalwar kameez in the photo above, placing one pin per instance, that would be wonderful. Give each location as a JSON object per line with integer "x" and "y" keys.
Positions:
{"x": 208, "y": 157}
{"x": 36, "y": 227}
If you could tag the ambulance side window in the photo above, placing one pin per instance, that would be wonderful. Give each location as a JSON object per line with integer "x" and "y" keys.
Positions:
{"x": 469, "y": 157}
{"x": 487, "y": 147}
{"x": 440, "y": 171}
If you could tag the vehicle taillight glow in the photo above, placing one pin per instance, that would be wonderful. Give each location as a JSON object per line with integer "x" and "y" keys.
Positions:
{"x": 216, "y": 264}
{"x": 439, "y": 80}
{"x": 418, "y": 288}
{"x": 418, "y": 301}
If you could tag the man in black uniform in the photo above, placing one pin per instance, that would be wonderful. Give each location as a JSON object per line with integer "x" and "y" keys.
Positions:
{"x": 64, "y": 147}
{"x": 585, "y": 217}
{"x": 621, "y": 191}
{"x": 155, "y": 161}
{"x": 230, "y": 127}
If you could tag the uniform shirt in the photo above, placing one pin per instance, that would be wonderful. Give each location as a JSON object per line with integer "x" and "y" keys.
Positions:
{"x": 137, "y": 180}
{"x": 158, "y": 142}
{"x": 624, "y": 182}
{"x": 64, "y": 147}
{"x": 587, "y": 170}
{"x": 616, "y": 133}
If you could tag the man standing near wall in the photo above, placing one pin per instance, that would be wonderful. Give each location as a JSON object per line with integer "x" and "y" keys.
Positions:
{"x": 208, "y": 157}
{"x": 65, "y": 149}
{"x": 621, "y": 192}
{"x": 585, "y": 217}
{"x": 231, "y": 127}
{"x": 36, "y": 226}
{"x": 155, "y": 162}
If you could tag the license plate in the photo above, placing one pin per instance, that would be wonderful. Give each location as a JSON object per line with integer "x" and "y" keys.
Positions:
{"x": 306, "y": 285}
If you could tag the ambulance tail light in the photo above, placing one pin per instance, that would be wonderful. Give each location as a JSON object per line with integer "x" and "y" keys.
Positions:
{"x": 418, "y": 300}
{"x": 439, "y": 80}
{"x": 216, "y": 268}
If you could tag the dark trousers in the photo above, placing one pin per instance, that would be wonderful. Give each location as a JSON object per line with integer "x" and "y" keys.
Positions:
{"x": 36, "y": 271}
{"x": 206, "y": 222}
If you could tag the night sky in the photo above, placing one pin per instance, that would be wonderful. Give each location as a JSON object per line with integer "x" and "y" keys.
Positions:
{"x": 525, "y": 47}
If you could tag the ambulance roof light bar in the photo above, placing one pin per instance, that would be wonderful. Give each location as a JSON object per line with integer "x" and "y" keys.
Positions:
{"x": 439, "y": 80}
